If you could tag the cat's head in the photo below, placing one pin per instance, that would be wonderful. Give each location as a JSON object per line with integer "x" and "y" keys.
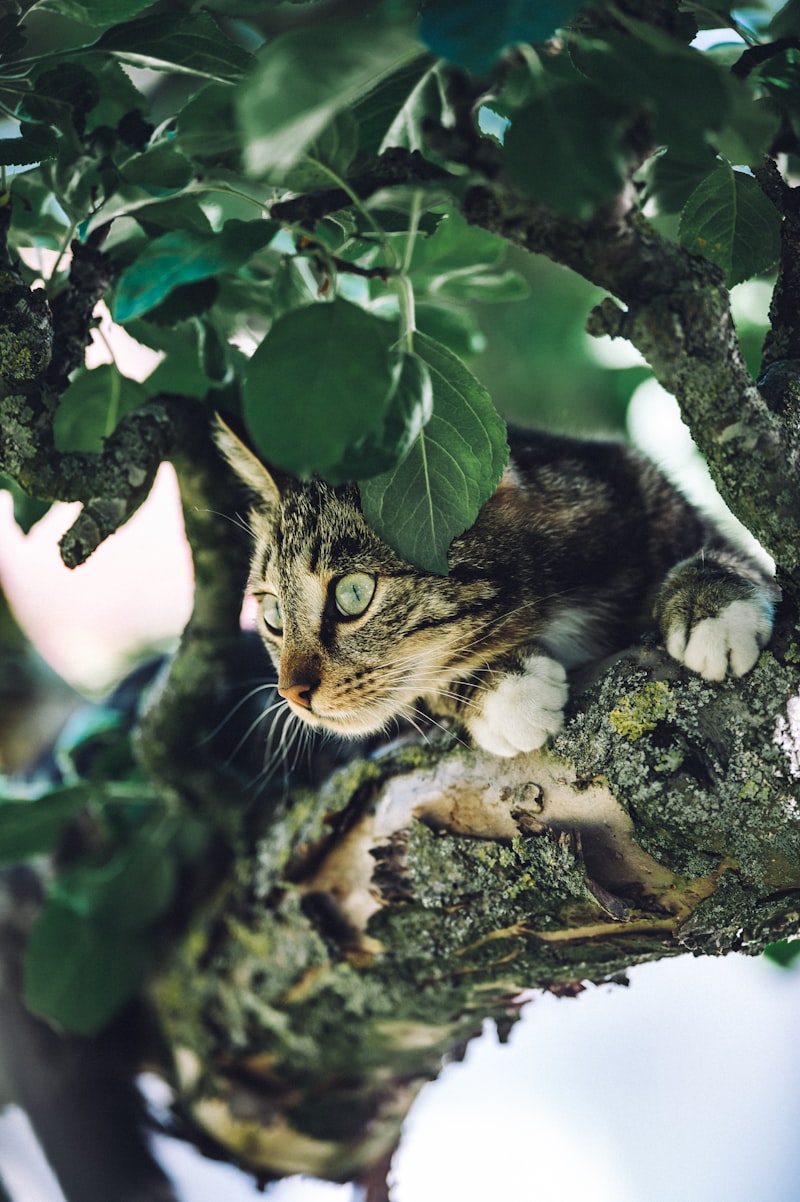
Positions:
{"x": 357, "y": 635}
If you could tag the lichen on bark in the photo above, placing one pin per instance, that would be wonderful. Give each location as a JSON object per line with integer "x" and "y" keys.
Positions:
{"x": 376, "y": 921}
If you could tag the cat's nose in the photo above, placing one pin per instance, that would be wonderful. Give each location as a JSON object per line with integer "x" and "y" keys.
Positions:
{"x": 298, "y": 676}
{"x": 299, "y": 692}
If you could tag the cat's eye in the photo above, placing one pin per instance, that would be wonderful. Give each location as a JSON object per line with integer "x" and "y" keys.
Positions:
{"x": 353, "y": 593}
{"x": 271, "y": 609}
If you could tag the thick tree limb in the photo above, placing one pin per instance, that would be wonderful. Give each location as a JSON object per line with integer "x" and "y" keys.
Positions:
{"x": 371, "y": 925}
{"x": 365, "y": 926}
{"x": 78, "y": 1092}
{"x": 677, "y": 313}
{"x": 90, "y": 276}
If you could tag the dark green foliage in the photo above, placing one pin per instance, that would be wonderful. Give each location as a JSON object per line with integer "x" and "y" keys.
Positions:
{"x": 305, "y": 110}
{"x": 187, "y": 200}
{"x": 458, "y": 457}
{"x": 106, "y": 905}
{"x": 785, "y": 953}
{"x": 280, "y": 199}
{"x": 728, "y": 219}
{"x": 474, "y": 34}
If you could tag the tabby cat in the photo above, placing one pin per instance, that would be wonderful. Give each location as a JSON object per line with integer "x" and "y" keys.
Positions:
{"x": 583, "y": 545}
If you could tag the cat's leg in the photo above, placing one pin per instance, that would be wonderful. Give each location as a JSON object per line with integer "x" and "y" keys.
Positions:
{"x": 715, "y": 613}
{"x": 521, "y": 708}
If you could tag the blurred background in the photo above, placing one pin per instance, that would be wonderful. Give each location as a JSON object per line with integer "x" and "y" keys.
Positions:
{"x": 682, "y": 1084}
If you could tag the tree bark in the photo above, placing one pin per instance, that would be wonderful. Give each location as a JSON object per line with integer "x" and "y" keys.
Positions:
{"x": 350, "y": 931}
{"x": 370, "y": 925}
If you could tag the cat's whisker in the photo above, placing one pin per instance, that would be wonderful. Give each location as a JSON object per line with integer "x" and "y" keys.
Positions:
{"x": 406, "y": 714}
{"x": 259, "y": 688}
{"x": 425, "y": 716}
{"x": 263, "y": 716}
{"x": 281, "y": 738}
{"x": 235, "y": 520}
{"x": 560, "y": 567}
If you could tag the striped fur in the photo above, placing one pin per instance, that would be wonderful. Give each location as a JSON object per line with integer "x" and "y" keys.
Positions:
{"x": 582, "y": 547}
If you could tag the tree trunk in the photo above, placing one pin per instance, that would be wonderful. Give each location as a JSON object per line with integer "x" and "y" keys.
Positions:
{"x": 369, "y": 925}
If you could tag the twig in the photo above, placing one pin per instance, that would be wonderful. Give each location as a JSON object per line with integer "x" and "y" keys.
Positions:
{"x": 754, "y": 56}
{"x": 395, "y": 166}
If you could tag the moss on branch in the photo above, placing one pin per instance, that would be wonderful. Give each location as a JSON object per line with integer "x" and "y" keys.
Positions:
{"x": 676, "y": 311}
{"x": 423, "y": 890}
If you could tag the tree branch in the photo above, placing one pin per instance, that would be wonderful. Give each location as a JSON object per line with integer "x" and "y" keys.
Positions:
{"x": 79, "y": 1093}
{"x": 91, "y": 274}
{"x": 370, "y": 925}
{"x": 394, "y": 167}
{"x": 677, "y": 313}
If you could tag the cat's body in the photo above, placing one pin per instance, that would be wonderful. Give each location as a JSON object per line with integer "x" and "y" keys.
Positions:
{"x": 583, "y": 546}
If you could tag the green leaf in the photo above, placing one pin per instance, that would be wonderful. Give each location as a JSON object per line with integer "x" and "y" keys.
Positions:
{"x": 128, "y": 892}
{"x": 27, "y": 510}
{"x": 487, "y": 286}
{"x": 185, "y": 301}
{"x": 12, "y": 36}
{"x": 457, "y": 328}
{"x": 30, "y": 825}
{"x": 376, "y": 112}
{"x": 304, "y": 78}
{"x": 455, "y": 246}
{"x": 458, "y": 261}
{"x": 192, "y": 43}
{"x": 206, "y": 125}
{"x": 172, "y": 213}
{"x": 183, "y": 257}
{"x": 70, "y": 84}
{"x": 161, "y": 168}
{"x": 119, "y": 98}
{"x": 750, "y": 125}
{"x": 671, "y": 179}
{"x": 408, "y": 410}
{"x": 318, "y": 383}
{"x": 36, "y": 219}
{"x": 566, "y": 148}
{"x": 181, "y": 369}
{"x": 474, "y": 34}
{"x": 334, "y": 149}
{"x": 784, "y": 953}
{"x": 94, "y": 745}
{"x": 730, "y": 221}
{"x": 77, "y": 973}
{"x": 35, "y": 144}
{"x": 91, "y": 943}
{"x": 683, "y": 92}
{"x": 786, "y": 22}
{"x": 436, "y": 492}
{"x": 91, "y": 407}
{"x": 94, "y": 12}
{"x": 426, "y": 102}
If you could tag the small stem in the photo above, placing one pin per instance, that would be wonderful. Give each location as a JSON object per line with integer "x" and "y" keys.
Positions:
{"x": 405, "y": 293}
{"x": 413, "y": 228}
{"x": 65, "y": 245}
{"x": 227, "y": 191}
{"x": 380, "y": 233}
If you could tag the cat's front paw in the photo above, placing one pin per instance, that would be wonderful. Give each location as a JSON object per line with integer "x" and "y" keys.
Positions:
{"x": 715, "y": 612}
{"x": 523, "y": 710}
{"x": 730, "y": 642}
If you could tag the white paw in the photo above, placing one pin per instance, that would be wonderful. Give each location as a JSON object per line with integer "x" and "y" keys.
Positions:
{"x": 730, "y": 642}
{"x": 524, "y": 709}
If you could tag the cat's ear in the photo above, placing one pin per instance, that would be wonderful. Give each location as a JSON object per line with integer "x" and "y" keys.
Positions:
{"x": 248, "y": 467}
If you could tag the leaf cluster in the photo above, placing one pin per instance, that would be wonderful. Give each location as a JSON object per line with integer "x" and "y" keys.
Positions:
{"x": 287, "y": 269}
{"x": 121, "y": 855}
{"x": 279, "y": 196}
